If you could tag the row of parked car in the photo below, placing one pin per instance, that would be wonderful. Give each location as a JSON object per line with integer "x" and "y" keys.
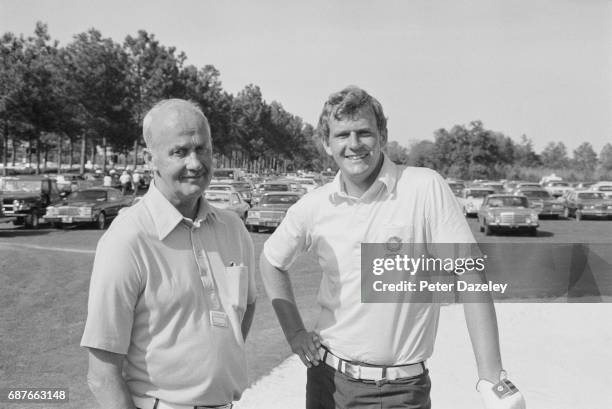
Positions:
{"x": 27, "y": 200}
{"x": 519, "y": 205}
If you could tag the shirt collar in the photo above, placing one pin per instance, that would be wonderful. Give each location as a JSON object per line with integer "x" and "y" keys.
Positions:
{"x": 166, "y": 217}
{"x": 387, "y": 176}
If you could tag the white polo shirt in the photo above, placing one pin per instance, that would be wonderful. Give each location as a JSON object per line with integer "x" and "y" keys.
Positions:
{"x": 152, "y": 293}
{"x": 414, "y": 204}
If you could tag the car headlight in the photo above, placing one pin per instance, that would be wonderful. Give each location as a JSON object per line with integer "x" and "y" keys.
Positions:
{"x": 52, "y": 211}
{"x": 589, "y": 207}
{"x": 85, "y": 211}
{"x": 497, "y": 220}
{"x": 557, "y": 206}
{"x": 254, "y": 215}
{"x": 470, "y": 205}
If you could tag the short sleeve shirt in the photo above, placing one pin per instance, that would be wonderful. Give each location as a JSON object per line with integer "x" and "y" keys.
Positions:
{"x": 411, "y": 203}
{"x": 157, "y": 280}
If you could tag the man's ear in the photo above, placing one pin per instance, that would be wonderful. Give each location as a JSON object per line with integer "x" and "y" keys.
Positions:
{"x": 325, "y": 143}
{"x": 383, "y": 138}
{"x": 148, "y": 158}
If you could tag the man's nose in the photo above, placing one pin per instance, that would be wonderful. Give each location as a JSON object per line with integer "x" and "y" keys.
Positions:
{"x": 194, "y": 162}
{"x": 353, "y": 140}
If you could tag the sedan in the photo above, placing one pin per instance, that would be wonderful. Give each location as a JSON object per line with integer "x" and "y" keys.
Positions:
{"x": 501, "y": 212}
{"x": 231, "y": 201}
{"x": 543, "y": 202}
{"x": 97, "y": 206}
{"x": 587, "y": 203}
{"x": 271, "y": 210}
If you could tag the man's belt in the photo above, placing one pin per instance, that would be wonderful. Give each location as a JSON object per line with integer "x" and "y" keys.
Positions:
{"x": 152, "y": 403}
{"x": 371, "y": 373}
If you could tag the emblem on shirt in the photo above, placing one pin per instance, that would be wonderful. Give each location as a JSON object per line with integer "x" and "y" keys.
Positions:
{"x": 394, "y": 244}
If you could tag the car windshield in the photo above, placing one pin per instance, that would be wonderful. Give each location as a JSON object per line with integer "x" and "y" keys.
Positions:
{"x": 223, "y": 174}
{"x": 87, "y": 195}
{"x": 589, "y": 195}
{"x": 558, "y": 184}
{"x": 536, "y": 194}
{"x": 478, "y": 193}
{"x": 217, "y": 197}
{"x": 28, "y": 186}
{"x": 507, "y": 202}
{"x": 277, "y": 187}
{"x": 242, "y": 186}
{"x": 605, "y": 188}
{"x": 220, "y": 187}
{"x": 456, "y": 186}
{"x": 279, "y": 199}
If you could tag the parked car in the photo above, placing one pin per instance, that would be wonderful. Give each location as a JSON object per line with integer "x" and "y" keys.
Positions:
{"x": 456, "y": 187}
{"x": 271, "y": 210}
{"x": 245, "y": 188}
{"x": 26, "y": 197}
{"x": 232, "y": 201}
{"x": 503, "y": 212}
{"x": 587, "y": 203}
{"x": 603, "y": 187}
{"x": 558, "y": 188}
{"x": 3, "y": 218}
{"x": 278, "y": 185}
{"x": 543, "y": 202}
{"x": 96, "y": 206}
{"x": 471, "y": 199}
{"x": 498, "y": 187}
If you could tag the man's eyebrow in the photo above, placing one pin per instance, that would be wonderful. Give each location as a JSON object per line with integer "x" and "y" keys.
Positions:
{"x": 360, "y": 130}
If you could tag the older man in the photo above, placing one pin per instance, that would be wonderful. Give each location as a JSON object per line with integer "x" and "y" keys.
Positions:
{"x": 372, "y": 355}
{"x": 172, "y": 292}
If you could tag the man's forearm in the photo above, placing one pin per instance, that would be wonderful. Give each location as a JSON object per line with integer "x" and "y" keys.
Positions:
{"x": 482, "y": 327}
{"x": 279, "y": 290}
{"x": 106, "y": 381}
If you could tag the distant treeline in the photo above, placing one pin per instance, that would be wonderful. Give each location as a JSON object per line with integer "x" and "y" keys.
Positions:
{"x": 95, "y": 92}
{"x": 473, "y": 152}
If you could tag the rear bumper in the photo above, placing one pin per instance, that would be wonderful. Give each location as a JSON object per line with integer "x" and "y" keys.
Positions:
{"x": 69, "y": 219}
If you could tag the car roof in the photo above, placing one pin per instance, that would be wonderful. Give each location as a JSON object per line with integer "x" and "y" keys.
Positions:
{"x": 281, "y": 194}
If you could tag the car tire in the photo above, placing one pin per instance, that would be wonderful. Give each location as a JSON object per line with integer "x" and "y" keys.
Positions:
{"x": 578, "y": 216}
{"x": 487, "y": 230}
{"x": 101, "y": 221}
{"x": 533, "y": 231}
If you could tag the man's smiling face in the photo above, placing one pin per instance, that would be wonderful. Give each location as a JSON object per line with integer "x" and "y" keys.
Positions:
{"x": 356, "y": 145}
{"x": 181, "y": 155}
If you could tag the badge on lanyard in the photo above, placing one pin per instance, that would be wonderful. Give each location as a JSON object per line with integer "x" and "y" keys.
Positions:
{"x": 218, "y": 319}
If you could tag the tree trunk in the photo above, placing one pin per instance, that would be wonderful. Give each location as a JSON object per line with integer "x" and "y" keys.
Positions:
{"x": 93, "y": 153}
{"x": 135, "y": 153}
{"x": 38, "y": 154}
{"x": 46, "y": 156}
{"x": 5, "y": 149}
{"x": 30, "y": 150}
{"x": 83, "y": 149}
{"x": 14, "y": 147}
{"x": 104, "y": 155}
{"x": 59, "y": 154}
{"x": 71, "y": 158}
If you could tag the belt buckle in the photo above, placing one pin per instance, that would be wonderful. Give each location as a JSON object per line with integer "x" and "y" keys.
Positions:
{"x": 354, "y": 371}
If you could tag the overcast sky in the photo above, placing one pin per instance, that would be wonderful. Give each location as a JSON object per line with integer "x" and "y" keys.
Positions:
{"x": 537, "y": 67}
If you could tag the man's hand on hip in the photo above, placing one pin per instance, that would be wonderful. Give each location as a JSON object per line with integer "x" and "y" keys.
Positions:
{"x": 306, "y": 345}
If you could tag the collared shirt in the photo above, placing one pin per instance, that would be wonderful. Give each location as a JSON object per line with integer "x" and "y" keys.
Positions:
{"x": 157, "y": 280}
{"x": 410, "y": 203}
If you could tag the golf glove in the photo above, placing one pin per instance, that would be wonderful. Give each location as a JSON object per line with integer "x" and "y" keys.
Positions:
{"x": 502, "y": 395}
